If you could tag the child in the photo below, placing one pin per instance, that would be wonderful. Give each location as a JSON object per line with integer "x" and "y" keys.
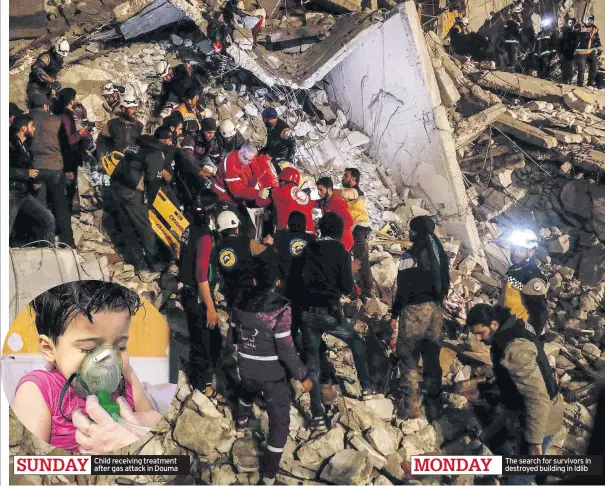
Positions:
{"x": 72, "y": 320}
{"x": 265, "y": 349}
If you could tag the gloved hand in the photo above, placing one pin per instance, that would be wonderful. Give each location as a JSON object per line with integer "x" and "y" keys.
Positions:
{"x": 263, "y": 194}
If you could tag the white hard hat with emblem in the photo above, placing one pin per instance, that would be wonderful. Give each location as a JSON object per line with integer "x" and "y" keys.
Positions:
{"x": 227, "y": 128}
{"x": 227, "y": 220}
{"x": 524, "y": 238}
{"x": 61, "y": 46}
{"x": 162, "y": 68}
{"x": 108, "y": 89}
{"x": 129, "y": 101}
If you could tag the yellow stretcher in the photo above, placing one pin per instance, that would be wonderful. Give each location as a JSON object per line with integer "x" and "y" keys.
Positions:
{"x": 167, "y": 221}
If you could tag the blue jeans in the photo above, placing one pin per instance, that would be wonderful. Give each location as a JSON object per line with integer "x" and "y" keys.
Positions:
{"x": 316, "y": 321}
{"x": 528, "y": 479}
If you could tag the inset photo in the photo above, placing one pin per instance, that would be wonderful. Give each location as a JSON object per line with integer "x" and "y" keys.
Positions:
{"x": 85, "y": 367}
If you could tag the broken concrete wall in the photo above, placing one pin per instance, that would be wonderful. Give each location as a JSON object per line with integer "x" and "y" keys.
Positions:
{"x": 481, "y": 11}
{"x": 387, "y": 86}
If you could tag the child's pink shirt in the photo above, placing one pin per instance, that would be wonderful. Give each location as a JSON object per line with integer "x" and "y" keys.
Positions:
{"x": 50, "y": 383}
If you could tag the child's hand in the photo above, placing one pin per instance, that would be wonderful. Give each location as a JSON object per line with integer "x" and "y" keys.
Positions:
{"x": 100, "y": 433}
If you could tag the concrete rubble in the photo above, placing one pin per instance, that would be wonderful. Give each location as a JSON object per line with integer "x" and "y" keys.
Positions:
{"x": 531, "y": 157}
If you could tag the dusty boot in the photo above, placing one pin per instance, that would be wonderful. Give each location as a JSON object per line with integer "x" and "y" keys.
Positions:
{"x": 408, "y": 407}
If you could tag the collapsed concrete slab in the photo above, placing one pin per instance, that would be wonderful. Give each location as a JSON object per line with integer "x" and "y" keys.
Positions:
{"x": 525, "y": 132}
{"x": 473, "y": 126}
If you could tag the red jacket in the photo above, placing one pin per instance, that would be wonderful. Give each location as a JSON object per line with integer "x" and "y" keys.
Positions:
{"x": 290, "y": 198}
{"x": 237, "y": 178}
{"x": 339, "y": 206}
{"x": 265, "y": 177}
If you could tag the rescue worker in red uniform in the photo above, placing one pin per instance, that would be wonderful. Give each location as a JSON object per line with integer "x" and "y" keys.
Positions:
{"x": 289, "y": 197}
{"x": 331, "y": 202}
{"x": 235, "y": 184}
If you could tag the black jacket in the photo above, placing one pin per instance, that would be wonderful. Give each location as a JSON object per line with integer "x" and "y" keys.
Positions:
{"x": 119, "y": 134}
{"x": 203, "y": 149}
{"x": 289, "y": 245}
{"x": 587, "y": 38}
{"x": 265, "y": 347}
{"x": 567, "y": 43}
{"x": 546, "y": 43}
{"x": 20, "y": 161}
{"x": 47, "y": 63}
{"x": 277, "y": 147}
{"x": 145, "y": 160}
{"x": 322, "y": 275}
{"x": 179, "y": 84}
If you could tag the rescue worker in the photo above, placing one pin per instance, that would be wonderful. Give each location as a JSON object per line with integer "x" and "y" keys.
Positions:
{"x": 527, "y": 384}
{"x": 321, "y": 277}
{"x": 331, "y": 202}
{"x": 197, "y": 272}
{"x": 508, "y": 47}
{"x": 44, "y": 70}
{"x": 13, "y": 111}
{"x": 356, "y": 202}
{"x": 168, "y": 184}
{"x": 289, "y": 197}
{"x": 567, "y": 48}
{"x": 21, "y": 175}
{"x": 281, "y": 144}
{"x": 266, "y": 359}
{"x": 176, "y": 81}
{"x": 205, "y": 147}
{"x": 588, "y": 50}
{"x": 121, "y": 132}
{"x": 174, "y": 122}
{"x": 423, "y": 282}
{"x": 545, "y": 48}
{"x": 525, "y": 289}
{"x": 190, "y": 111}
{"x": 235, "y": 185}
{"x": 134, "y": 185}
{"x": 48, "y": 159}
{"x": 111, "y": 94}
{"x": 458, "y": 35}
{"x": 234, "y": 253}
{"x": 228, "y": 138}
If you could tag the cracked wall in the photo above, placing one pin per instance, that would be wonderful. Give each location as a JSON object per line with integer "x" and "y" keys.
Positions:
{"x": 387, "y": 86}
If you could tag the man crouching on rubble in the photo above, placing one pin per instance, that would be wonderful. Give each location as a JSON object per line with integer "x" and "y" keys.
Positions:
{"x": 527, "y": 383}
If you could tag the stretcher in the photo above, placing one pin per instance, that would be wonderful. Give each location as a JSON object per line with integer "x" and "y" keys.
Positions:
{"x": 167, "y": 221}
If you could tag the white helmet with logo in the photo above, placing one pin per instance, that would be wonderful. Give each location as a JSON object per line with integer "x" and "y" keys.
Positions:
{"x": 465, "y": 21}
{"x": 517, "y": 8}
{"x": 129, "y": 101}
{"x": 61, "y": 46}
{"x": 108, "y": 89}
{"x": 162, "y": 68}
{"x": 227, "y": 128}
{"x": 227, "y": 220}
{"x": 523, "y": 238}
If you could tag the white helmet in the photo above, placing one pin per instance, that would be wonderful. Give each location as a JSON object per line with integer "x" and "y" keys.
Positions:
{"x": 227, "y": 220}
{"x": 523, "y": 238}
{"x": 61, "y": 46}
{"x": 129, "y": 101}
{"x": 108, "y": 89}
{"x": 464, "y": 20}
{"x": 162, "y": 68}
{"x": 517, "y": 8}
{"x": 227, "y": 128}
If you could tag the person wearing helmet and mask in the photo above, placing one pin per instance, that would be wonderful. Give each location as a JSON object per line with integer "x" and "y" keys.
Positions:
{"x": 281, "y": 144}
{"x": 228, "y": 138}
{"x": 235, "y": 184}
{"x": 524, "y": 291}
{"x": 111, "y": 94}
{"x": 197, "y": 272}
{"x": 121, "y": 132}
{"x": 458, "y": 35}
{"x": 176, "y": 81}
{"x": 44, "y": 70}
{"x": 134, "y": 186}
{"x": 588, "y": 49}
{"x": 545, "y": 47}
{"x": 529, "y": 393}
{"x": 567, "y": 48}
{"x": 423, "y": 282}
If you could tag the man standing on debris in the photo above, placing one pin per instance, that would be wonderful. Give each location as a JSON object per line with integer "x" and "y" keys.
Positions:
{"x": 21, "y": 175}
{"x": 458, "y": 35}
{"x": 567, "y": 48}
{"x": 423, "y": 282}
{"x": 48, "y": 159}
{"x": 545, "y": 47}
{"x": 321, "y": 277}
{"x": 228, "y": 138}
{"x": 134, "y": 185}
{"x": 281, "y": 144}
{"x": 111, "y": 94}
{"x": 265, "y": 351}
{"x": 588, "y": 50}
{"x": 356, "y": 202}
{"x": 509, "y": 47}
{"x": 44, "y": 71}
{"x": 176, "y": 81}
{"x": 331, "y": 202}
{"x": 528, "y": 386}
{"x": 197, "y": 273}
{"x": 203, "y": 147}
{"x": 289, "y": 197}
{"x": 525, "y": 289}
{"x": 121, "y": 132}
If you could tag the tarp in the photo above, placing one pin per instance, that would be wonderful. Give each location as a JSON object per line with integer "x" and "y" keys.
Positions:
{"x": 27, "y": 19}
